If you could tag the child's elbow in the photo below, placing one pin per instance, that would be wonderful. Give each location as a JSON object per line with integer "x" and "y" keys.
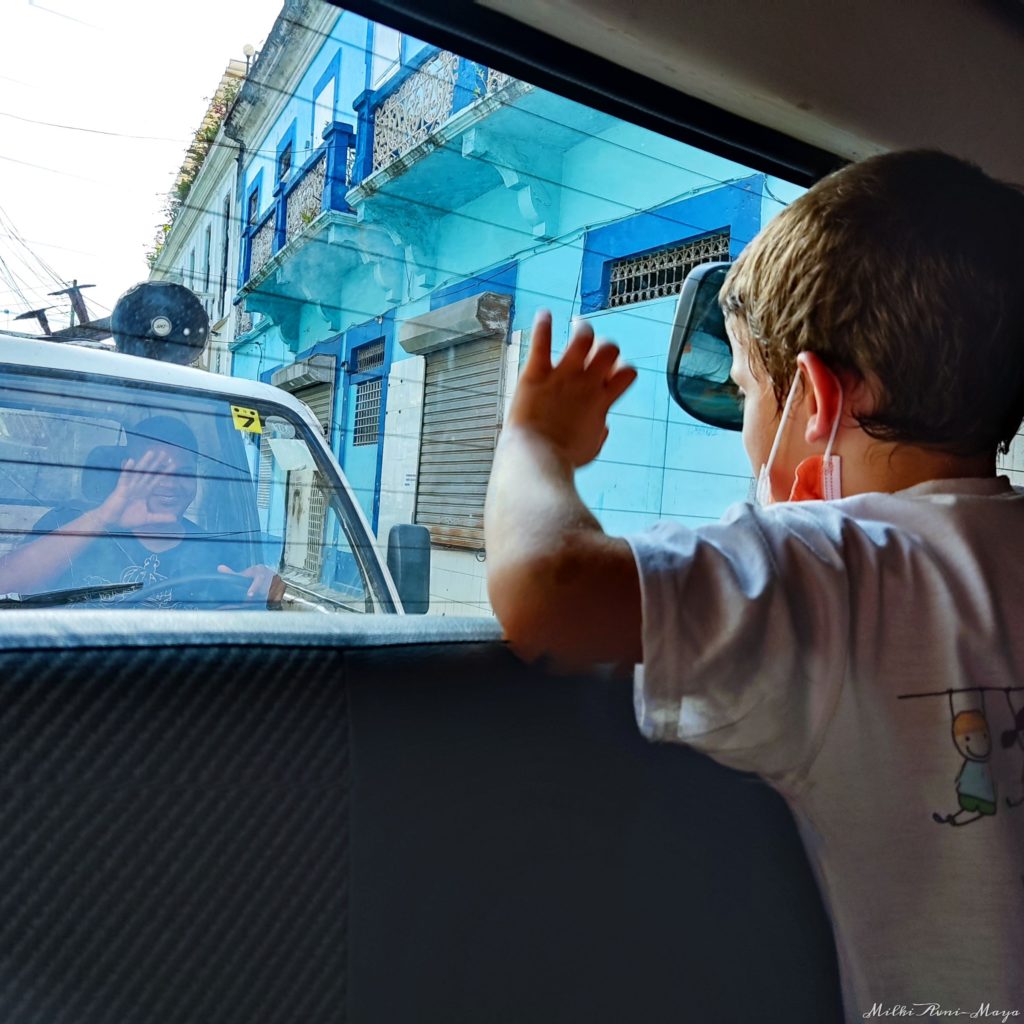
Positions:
{"x": 550, "y": 605}
{"x": 521, "y": 597}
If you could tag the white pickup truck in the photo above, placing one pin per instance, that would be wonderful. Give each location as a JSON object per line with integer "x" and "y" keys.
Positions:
{"x": 249, "y": 482}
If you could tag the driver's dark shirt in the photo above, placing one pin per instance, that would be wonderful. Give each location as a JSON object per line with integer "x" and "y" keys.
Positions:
{"x": 121, "y": 558}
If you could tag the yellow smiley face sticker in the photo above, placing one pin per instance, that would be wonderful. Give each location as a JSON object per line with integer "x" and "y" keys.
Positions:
{"x": 246, "y": 420}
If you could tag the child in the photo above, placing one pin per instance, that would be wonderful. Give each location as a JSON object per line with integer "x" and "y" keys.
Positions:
{"x": 877, "y": 327}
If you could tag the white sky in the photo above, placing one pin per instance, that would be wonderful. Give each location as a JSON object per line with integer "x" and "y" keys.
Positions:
{"x": 89, "y": 204}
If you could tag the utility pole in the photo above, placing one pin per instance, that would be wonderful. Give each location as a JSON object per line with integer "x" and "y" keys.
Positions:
{"x": 78, "y": 306}
{"x": 40, "y": 315}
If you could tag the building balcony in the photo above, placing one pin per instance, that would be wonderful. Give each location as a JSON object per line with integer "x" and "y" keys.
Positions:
{"x": 415, "y": 103}
{"x": 446, "y": 131}
{"x": 285, "y": 261}
{"x": 318, "y": 187}
{"x": 439, "y": 134}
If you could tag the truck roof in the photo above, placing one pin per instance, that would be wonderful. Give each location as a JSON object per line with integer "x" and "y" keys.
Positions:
{"x": 49, "y": 355}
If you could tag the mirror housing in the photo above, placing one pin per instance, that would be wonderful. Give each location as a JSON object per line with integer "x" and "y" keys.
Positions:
{"x": 700, "y": 355}
{"x": 409, "y": 565}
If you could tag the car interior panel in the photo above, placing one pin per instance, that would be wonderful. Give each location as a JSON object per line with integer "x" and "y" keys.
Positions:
{"x": 375, "y": 818}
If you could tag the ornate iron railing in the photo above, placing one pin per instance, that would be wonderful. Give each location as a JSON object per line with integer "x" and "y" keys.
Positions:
{"x": 315, "y": 526}
{"x": 407, "y": 112}
{"x": 305, "y": 201}
{"x": 262, "y": 245}
{"x": 416, "y": 109}
{"x": 243, "y": 322}
{"x": 319, "y": 185}
{"x": 497, "y": 80}
{"x": 654, "y": 275}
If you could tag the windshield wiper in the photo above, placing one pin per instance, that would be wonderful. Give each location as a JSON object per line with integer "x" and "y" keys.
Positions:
{"x": 72, "y": 596}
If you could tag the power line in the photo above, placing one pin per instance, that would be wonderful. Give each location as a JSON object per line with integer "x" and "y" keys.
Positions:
{"x": 311, "y": 102}
{"x": 35, "y": 5}
{"x": 10, "y": 228}
{"x": 534, "y": 247}
{"x": 52, "y": 170}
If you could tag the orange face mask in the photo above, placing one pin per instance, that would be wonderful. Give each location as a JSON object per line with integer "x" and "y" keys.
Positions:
{"x": 818, "y": 477}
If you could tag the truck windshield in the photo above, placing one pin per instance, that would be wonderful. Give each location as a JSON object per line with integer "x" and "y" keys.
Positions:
{"x": 122, "y": 495}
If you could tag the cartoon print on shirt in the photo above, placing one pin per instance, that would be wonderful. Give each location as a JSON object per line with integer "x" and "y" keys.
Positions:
{"x": 975, "y": 787}
{"x": 1016, "y": 734}
{"x": 145, "y": 574}
{"x": 148, "y": 574}
{"x": 975, "y": 790}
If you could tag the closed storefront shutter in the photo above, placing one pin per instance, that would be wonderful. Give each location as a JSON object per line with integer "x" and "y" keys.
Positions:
{"x": 318, "y": 398}
{"x": 461, "y": 414}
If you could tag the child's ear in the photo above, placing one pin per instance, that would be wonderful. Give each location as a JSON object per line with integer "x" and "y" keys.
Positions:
{"x": 824, "y": 395}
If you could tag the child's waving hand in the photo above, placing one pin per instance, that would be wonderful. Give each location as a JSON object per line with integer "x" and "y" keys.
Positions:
{"x": 560, "y": 586}
{"x": 568, "y": 404}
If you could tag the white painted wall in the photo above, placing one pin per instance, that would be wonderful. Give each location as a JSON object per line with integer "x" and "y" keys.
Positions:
{"x": 457, "y": 578}
{"x": 403, "y": 423}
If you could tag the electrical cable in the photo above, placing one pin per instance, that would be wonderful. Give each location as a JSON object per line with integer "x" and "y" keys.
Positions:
{"x": 421, "y": 72}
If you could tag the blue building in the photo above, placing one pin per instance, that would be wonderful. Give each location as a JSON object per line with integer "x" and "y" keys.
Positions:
{"x": 404, "y": 211}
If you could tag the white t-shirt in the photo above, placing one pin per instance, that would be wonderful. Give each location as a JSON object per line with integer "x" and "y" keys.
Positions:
{"x": 797, "y": 641}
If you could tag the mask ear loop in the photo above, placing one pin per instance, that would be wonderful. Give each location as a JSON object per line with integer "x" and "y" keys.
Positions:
{"x": 830, "y": 473}
{"x": 762, "y": 487}
{"x": 835, "y": 428}
{"x": 782, "y": 422}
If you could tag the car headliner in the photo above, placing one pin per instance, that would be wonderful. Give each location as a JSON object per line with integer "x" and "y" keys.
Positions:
{"x": 853, "y": 77}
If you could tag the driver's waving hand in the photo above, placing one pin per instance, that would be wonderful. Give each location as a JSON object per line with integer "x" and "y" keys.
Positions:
{"x": 139, "y": 535}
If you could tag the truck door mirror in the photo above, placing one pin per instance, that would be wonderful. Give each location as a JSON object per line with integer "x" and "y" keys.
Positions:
{"x": 409, "y": 565}
{"x": 700, "y": 356}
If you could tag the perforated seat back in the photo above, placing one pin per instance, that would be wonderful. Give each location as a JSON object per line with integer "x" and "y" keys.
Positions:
{"x": 305, "y": 818}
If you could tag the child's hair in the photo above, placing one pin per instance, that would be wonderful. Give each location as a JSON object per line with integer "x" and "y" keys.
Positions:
{"x": 908, "y": 269}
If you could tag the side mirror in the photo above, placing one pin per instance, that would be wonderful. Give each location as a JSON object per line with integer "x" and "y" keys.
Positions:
{"x": 699, "y": 355}
{"x": 409, "y": 565}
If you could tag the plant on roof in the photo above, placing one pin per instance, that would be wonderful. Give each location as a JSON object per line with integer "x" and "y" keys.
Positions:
{"x": 196, "y": 154}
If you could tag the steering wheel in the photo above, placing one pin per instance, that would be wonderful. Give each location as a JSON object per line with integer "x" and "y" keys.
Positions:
{"x": 218, "y": 588}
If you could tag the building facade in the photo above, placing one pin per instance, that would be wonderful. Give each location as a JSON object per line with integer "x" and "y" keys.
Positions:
{"x": 401, "y": 212}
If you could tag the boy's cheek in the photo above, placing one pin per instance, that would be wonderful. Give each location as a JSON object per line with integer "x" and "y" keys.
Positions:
{"x": 754, "y": 441}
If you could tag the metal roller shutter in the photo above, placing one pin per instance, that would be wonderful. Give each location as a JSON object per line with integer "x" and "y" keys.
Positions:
{"x": 461, "y": 416}
{"x": 318, "y": 398}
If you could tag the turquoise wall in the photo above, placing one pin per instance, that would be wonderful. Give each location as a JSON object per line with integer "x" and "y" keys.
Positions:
{"x": 619, "y": 190}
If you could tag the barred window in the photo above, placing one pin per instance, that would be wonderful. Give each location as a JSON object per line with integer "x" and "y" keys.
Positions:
{"x": 653, "y": 275}
{"x": 369, "y": 357}
{"x": 367, "y": 426}
{"x": 315, "y": 533}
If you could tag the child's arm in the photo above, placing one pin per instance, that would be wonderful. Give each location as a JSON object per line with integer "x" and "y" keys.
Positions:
{"x": 559, "y": 585}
